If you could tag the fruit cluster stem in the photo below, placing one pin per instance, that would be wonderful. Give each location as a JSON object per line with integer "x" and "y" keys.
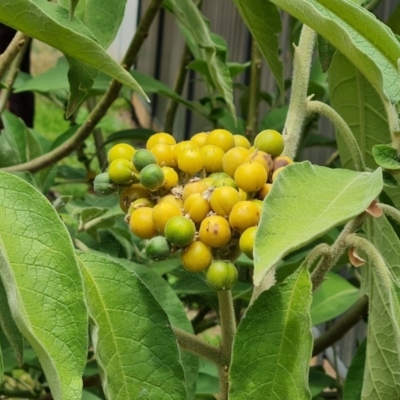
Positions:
{"x": 228, "y": 331}
{"x": 101, "y": 107}
{"x": 297, "y": 112}
{"x": 194, "y": 345}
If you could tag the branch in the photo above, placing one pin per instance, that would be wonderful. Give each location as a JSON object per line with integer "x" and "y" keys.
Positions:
{"x": 101, "y": 107}
{"x": 12, "y": 75}
{"x": 343, "y": 325}
{"x": 11, "y": 52}
{"x": 297, "y": 111}
{"x": 391, "y": 212}
{"x": 178, "y": 88}
{"x": 197, "y": 346}
{"x": 341, "y": 128}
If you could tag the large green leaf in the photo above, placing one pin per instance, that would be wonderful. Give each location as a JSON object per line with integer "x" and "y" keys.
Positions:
{"x": 134, "y": 343}
{"x": 49, "y": 22}
{"x": 356, "y": 33}
{"x": 305, "y": 202}
{"x": 272, "y": 347}
{"x": 43, "y": 284}
{"x": 332, "y": 298}
{"x": 264, "y": 23}
{"x": 191, "y": 18}
{"x": 382, "y": 365}
{"x": 358, "y": 103}
{"x": 173, "y": 306}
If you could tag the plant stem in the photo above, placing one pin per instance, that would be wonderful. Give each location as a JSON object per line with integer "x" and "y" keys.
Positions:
{"x": 197, "y": 346}
{"x": 341, "y": 129}
{"x": 228, "y": 330}
{"x": 11, "y": 52}
{"x": 297, "y": 111}
{"x": 343, "y": 325}
{"x": 101, "y": 107}
{"x": 12, "y": 75}
{"x": 178, "y": 88}
{"x": 254, "y": 92}
{"x": 98, "y": 139}
{"x": 330, "y": 258}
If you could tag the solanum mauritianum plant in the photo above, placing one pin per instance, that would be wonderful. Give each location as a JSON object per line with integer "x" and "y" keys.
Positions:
{"x": 70, "y": 264}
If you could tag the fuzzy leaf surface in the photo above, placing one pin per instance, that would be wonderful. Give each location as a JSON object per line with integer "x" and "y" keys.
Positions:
{"x": 43, "y": 284}
{"x": 135, "y": 347}
{"x": 272, "y": 347}
{"x": 306, "y": 201}
{"x": 358, "y": 34}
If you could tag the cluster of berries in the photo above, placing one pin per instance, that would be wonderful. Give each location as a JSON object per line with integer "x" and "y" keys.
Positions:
{"x": 202, "y": 196}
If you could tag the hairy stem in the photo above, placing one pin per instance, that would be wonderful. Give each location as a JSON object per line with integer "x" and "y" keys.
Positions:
{"x": 390, "y": 211}
{"x": 330, "y": 258}
{"x": 228, "y": 330}
{"x": 11, "y": 52}
{"x": 194, "y": 345}
{"x": 343, "y": 325}
{"x": 297, "y": 111}
{"x": 341, "y": 129}
{"x": 101, "y": 107}
{"x": 254, "y": 93}
{"x": 178, "y": 88}
{"x": 13, "y": 73}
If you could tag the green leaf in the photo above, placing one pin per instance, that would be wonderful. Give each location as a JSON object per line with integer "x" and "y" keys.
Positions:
{"x": 315, "y": 139}
{"x": 9, "y": 328}
{"x": 237, "y": 68}
{"x": 18, "y": 143}
{"x": 357, "y": 34}
{"x": 275, "y": 119}
{"x": 305, "y": 202}
{"x": 81, "y": 79}
{"x": 70, "y": 37}
{"x": 133, "y": 135}
{"x": 319, "y": 380}
{"x": 134, "y": 344}
{"x": 325, "y": 53}
{"x": 177, "y": 316}
{"x": 151, "y": 85}
{"x": 43, "y": 284}
{"x": 354, "y": 379}
{"x": 273, "y": 343}
{"x": 335, "y": 296}
{"x": 72, "y": 7}
{"x": 102, "y": 17}
{"x": 386, "y": 156}
{"x": 381, "y": 282}
{"x": 353, "y": 97}
{"x": 190, "y": 17}
{"x": 264, "y": 22}
{"x": 394, "y": 20}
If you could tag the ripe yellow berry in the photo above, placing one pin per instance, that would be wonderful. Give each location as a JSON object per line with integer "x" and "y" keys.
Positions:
{"x": 221, "y": 138}
{"x": 160, "y": 137}
{"x": 141, "y": 223}
{"x": 215, "y": 231}
{"x": 250, "y": 176}
{"x": 244, "y": 214}
{"x": 196, "y": 257}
